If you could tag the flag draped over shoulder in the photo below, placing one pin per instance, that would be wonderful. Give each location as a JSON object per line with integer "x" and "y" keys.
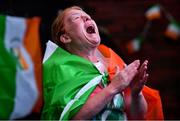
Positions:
{"x": 20, "y": 68}
{"x": 68, "y": 81}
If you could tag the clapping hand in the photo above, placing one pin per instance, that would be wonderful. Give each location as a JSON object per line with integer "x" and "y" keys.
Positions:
{"x": 140, "y": 79}
{"x": 123, "y": 78}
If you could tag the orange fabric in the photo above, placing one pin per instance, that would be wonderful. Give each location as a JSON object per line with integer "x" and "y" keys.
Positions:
{"x": 171, "y": 34}
{"x": 155, "y": 111}
{"x": 32, "y": 44}
{"x": 114, "y": 60}
{"x": 153, "y": 16}
{"x": 152, "y": 96}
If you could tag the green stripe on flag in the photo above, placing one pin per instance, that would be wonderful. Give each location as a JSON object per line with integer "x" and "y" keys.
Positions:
{"x": 7, "y": 75}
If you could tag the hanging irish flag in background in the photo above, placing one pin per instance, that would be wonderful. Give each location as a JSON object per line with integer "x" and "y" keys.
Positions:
{"x": 20, "y": 66}
{"x": 134, "y": 45}
{"x": 153, "y": 13}
{"x": 173, "y": 30}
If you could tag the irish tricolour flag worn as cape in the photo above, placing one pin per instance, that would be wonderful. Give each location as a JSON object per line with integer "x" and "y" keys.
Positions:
{"x": 69, "y": 80}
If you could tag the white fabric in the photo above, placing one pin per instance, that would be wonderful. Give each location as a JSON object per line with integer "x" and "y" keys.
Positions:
{"x": 50, "y": 48}
{"x": 100, "y": 67}
{"x": 153, "y": 10}
{"x": 174, "y": 28}
{"x": 105, "y": 115}
{"x": 90, "y": 84}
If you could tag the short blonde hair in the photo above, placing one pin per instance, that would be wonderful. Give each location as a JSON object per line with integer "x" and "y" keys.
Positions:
{"x": 57, "y": 28}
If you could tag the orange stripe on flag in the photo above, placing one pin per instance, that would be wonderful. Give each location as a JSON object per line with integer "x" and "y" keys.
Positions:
{"x": 33, "y": 46}
{"x": 153, "y": 16}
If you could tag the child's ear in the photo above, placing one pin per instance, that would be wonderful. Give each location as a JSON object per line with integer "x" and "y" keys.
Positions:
{"x": 65, "y": 38}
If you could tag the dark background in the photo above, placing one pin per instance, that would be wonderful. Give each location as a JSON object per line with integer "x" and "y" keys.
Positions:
{"x": 122, "y": 20}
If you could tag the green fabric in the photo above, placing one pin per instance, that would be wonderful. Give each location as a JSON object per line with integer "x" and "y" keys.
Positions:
{"x": 115, "y": 110}
{"x": 7, "y": 75}
{"x": 64, "y": 75}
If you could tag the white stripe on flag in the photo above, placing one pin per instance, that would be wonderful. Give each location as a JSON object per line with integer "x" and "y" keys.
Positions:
{"x": 105, "y": 115}
{"x": 26, "y": 90}
{"x": 14, "y": 32}
{"x": 83, "y": 90}
{"x": 50, "y": 48}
